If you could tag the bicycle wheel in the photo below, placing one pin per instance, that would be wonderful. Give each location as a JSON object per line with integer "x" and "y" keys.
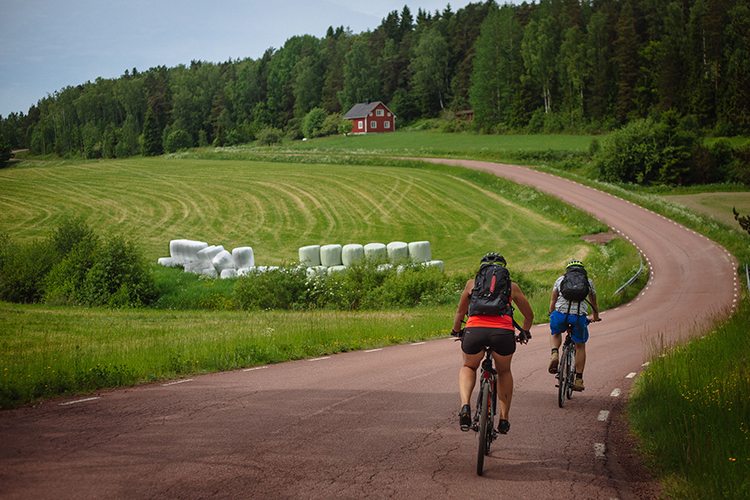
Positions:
{"x": 571, "y": 371}
{"x": 562, "y": 378}
{"x": 484, "y": 428}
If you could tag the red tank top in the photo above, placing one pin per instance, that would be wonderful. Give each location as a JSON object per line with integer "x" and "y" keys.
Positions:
{"x": 505, "y": 321}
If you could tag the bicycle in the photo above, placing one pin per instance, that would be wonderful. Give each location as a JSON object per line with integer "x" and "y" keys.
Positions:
{"x": 485, "y": 411}
{"x": 566, "y": 370}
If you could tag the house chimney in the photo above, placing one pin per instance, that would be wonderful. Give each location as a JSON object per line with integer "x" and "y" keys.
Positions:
{"x": 367, "y": 101}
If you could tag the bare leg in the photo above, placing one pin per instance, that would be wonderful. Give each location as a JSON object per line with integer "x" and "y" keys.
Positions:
{"x": 555, "y": 341}
{"x": 504, "y": 383}
{"x": 580, "y": 357}
{"x": 467, "y": 377}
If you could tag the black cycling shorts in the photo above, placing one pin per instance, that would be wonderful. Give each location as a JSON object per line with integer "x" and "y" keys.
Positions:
{"x": 501, "y": 340}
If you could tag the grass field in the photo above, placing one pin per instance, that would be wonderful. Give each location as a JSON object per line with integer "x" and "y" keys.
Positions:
{"x": 717, "y": 205}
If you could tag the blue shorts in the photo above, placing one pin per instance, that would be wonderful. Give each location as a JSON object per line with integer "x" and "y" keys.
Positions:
{"x": 557, "y": 324}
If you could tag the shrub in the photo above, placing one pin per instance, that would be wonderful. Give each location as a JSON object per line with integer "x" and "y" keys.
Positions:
{"x": 274, "y": 289}
{"x": 66, "y": 279}
{"x": 269, "y": 136}
{"x": 741, "y": 167}
{"x": 177, "y": 140}
{"x": 331, "y": 124}
{"x": 23, "y": 268}
{"x": 312, "y": 125}
{"x": 69, "y": 233}
{"x": 345, "y": 127}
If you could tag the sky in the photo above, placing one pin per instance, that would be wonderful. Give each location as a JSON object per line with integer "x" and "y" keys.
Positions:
{"x": 47, "y": 45}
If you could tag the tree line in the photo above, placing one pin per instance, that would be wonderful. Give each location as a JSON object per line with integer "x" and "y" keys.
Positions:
{"x": 578, "y": 66}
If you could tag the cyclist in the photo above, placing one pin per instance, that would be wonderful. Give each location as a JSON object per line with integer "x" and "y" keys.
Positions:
{"x": 563, "y": 312}
{"x": 488, "y": 331}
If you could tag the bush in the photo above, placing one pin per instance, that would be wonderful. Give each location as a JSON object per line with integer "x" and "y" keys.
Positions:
{"x": 65, "y": 281}
{"x": 23, "y": 269}
{"x": 269, "y": 136}
{"x": 741, "y": 167}
{"x": 177, "y": 140}
{"x": 274, "y": 289}
{"x": 331, "y": 124}
{"x": 312, "y": 125}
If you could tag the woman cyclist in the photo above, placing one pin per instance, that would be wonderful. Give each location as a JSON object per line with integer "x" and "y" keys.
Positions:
{"x": 488, "y": 331}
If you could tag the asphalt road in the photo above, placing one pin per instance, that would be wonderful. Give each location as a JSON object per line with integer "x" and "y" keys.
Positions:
{"x": 381, "y": 423}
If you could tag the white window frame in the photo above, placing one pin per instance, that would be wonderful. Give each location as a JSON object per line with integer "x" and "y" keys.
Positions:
{"x": 360, "y": 124}
{"x": 386, "y": 124}
{"x": 379, "y": 112}
{"x": 373, "y": 124}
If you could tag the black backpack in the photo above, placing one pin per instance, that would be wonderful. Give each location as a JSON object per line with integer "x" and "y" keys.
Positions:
{"x": 491, "y": 293}
{"x": 575, "y": 284}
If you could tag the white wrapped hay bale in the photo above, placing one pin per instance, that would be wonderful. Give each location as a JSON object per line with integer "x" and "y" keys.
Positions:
{"x": 375, "y": 251}
{"x": 186, "y": 250}
{"x": 434, "y": 263}
{"x": 352, "y": 253}
{"x": 206, "y": 256}
{"x": 397, "y": 250}
{"x": 309, "y": 256}
{"x": 330, "y": 255}
{"x": 243, "y": 257}
{"x": 168, "y": 262}
{"x": 210, "y": 271}
{"x": 419, "y": 251}
{"x": 265, "y": 269}
{"x": 336, "y": 269}
{"x": 245, "y": 271}
{"x": 228, "y": 273}
{"x": 223, "y": 260}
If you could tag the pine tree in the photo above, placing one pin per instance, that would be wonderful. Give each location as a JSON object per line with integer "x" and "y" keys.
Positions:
{"x": 151, "y": 136}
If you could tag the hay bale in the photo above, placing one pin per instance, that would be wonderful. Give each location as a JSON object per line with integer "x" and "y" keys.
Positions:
{"x": 223, "y": 260}
{"x": 330, "y": 255}
{"x": 169, "y": 262}
{"x": 186, "y": 250}
{"x": 228, "y": 273}
{"x": 397, "y": 250}
{"x": 245, "y": 271}
{"x": 309, "y": 256}
{"x": 419, "y": 251}
{"x": 210, "y": 271}
{"x": 434, "y": 263}
{"x": 352, "y": 253}
{"x": 375, "y": 251}
{"x": 206, "y": 255}
{"x": 336, "y": 269}
{"x": 243, "y": 257}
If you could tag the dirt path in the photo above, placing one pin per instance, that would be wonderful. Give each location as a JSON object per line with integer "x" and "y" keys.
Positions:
{"x": 379, "y": 423}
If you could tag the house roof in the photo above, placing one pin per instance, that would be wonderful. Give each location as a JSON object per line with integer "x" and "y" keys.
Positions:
{"x": 362, "y": 110}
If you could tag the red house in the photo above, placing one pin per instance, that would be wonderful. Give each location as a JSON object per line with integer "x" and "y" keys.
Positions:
{"x": 371, "y": 117}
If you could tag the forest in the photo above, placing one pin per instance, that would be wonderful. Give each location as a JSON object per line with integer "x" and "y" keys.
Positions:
{"x": 553, "y": 66}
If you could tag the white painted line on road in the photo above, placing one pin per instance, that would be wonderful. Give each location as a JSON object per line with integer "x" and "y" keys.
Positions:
{"x": 254, "y": 368}
{"x": 418, "y": 343}
{"x": 631, "y": 375}
{"x": 319, "y": 359}
{"x": 599, "y": 449}
{"x": 177, "y": 382}
{"x": 373, "y": 350}
{"x": 615, "y": 393}
{"x": 646, "y": 363}
{"x": 603, "y": 416}
{"x": 78, "y": 401}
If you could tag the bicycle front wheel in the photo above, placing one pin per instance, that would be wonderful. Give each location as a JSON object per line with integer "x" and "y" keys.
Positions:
{"x": 484, "y": 427}
{"x": 571, "y": 371}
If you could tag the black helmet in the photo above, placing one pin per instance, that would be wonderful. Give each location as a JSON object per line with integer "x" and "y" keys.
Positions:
{"x": 493, "y": 257}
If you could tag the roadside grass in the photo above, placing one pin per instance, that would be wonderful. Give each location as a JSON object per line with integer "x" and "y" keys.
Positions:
{"x": 51, "y": 351}
{"x": 691, "y": 410}
{"x": 717, "y": 205}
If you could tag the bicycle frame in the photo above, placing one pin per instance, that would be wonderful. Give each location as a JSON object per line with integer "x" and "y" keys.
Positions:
{"x": 566, "y": 369}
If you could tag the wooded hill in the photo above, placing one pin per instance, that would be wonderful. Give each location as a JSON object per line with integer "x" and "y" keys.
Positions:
{"x": 554, "y": 66}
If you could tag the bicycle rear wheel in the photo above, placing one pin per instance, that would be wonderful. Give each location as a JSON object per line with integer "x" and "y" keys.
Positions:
{"x": 562, "y": 378}
{"x": 571, "y": 371}
{"x": 484, "y": 428}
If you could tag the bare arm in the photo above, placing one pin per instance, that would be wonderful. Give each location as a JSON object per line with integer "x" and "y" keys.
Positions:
{"x": 523, "y": 305}
{"x": 553, "y": 301}
{"x": 463, "y": 306}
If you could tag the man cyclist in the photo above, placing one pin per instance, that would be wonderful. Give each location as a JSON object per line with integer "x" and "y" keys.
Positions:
{"x": 488, "y": 331}
{"x": 563, "y": 312}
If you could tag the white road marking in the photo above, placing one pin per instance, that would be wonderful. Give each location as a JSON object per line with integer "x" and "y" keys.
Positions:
{"x": 603, "y": 416}
{"x": 615, "y": 393}
{"x": 599, "y": 449}
{"x": 373, "y": 350}
{"x": 178, "y": 382}
{"x": 78, "y": 401}
{"x": 319, "y": 359}
{"x": 418, "y": 343}
{"x": 631, "y": 375}
{"x": 254, "y": 368}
